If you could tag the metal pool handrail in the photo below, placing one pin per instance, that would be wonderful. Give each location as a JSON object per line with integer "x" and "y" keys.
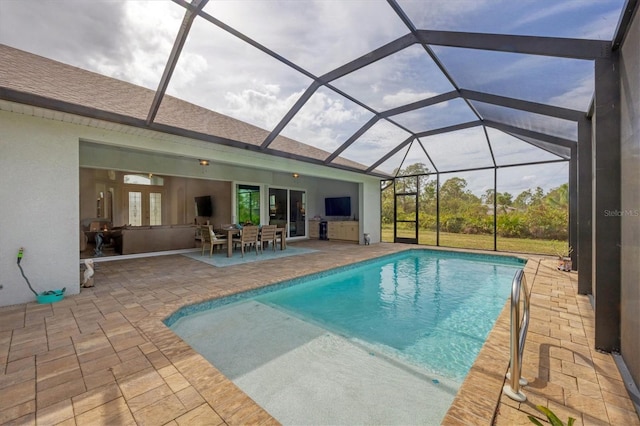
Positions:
{"x": 518, "y": 337}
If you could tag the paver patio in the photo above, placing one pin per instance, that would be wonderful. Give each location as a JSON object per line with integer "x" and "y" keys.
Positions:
{"x": 105, "y": 357}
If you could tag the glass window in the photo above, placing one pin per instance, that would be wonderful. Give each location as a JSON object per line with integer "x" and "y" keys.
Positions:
{"x": 147, "y": 179}
{"x": 135, "y": 208}
{"x": 248, "y": 204}
{"x": 155, "y": 208}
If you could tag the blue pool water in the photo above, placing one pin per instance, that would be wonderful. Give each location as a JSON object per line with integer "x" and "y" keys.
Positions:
{"x": 386, "y": 341}
{"x": 428, "y": 308}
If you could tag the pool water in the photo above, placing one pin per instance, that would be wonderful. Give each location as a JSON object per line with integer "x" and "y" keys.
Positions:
{"x": 432, "y": 309}
{"x": 398, "y": 331}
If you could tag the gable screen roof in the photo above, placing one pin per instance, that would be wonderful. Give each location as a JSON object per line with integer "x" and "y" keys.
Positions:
{"x": 346, "y": 84}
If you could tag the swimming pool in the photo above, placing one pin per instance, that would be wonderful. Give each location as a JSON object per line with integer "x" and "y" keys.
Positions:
{"x": 384, "y": 341}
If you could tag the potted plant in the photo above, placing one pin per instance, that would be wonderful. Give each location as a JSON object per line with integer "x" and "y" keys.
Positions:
{"x": 564, "y": 258}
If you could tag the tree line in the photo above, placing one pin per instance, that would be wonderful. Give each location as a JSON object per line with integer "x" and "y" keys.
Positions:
{"x": 533, "y": 213}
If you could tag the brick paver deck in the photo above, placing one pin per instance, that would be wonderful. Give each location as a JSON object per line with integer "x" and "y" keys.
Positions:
{"x": 105, "y": 357}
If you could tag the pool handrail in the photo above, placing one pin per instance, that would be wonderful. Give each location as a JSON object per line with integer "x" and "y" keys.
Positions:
{"x": 518, "y": 335}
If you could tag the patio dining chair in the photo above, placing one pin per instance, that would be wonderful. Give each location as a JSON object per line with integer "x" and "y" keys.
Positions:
{"x": 210, "y": 239}
{"x": 267, "y": 235}
{"x": 282, "y": 236}
{"x": 248, "y": 237}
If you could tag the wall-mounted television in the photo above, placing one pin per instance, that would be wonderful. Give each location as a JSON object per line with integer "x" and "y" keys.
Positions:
{"x": 337, "y": 206}
{"x": 204, "y": 206}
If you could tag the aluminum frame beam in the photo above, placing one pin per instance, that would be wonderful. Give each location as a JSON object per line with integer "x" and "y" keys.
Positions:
{"x": 556, "y": 140}
{"x": 584, "y": 247}
{"x": 178, "y": 44}
{"x": 606, "y": 224}
{"x": 519, "y": 104}
{"x": 532, "y": 45}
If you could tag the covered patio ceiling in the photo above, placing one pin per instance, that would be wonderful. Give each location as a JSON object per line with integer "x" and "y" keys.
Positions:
{"x": 372, "y": 85}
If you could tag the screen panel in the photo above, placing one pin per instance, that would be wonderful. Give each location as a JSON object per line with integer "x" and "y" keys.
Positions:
{"x": 223, "y": 73}
{"x": 465, "y": 220}
{"x": 326, "y": 120}
{"x": 316, "y": 35}
{"x": 581, "y": 19}
{"x": 404, "y": 77}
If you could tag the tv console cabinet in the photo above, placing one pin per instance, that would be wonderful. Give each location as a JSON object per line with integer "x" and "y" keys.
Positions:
{"x": 347, "y": 230}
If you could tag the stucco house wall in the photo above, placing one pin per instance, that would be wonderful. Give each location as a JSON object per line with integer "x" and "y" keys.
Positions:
{"x": 41, "y": 153}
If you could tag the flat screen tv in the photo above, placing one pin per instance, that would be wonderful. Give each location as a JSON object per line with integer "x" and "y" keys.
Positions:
{"x": 337, "y": 206}
{"x": 204, "y": 206}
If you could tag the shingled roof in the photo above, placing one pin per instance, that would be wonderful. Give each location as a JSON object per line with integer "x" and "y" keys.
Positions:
{"x": 38, "y": 81}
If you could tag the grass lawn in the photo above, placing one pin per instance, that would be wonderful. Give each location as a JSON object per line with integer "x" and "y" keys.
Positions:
{"x": 484, "y": 242}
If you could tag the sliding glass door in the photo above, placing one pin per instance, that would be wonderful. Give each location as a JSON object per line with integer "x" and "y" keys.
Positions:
{"x": 288, "y": 206}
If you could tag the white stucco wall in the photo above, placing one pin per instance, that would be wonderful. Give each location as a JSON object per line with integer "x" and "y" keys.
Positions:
{"x": 38, "y": 206}
{"x": 39, "y": 186}
{"x": 370, "y": 202}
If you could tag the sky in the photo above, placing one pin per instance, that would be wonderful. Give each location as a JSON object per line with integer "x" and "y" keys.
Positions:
{"x": 131, "y": 40}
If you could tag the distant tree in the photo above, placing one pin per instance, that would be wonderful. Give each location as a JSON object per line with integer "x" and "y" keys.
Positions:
{"x": 505, "y": 199}
{"x": 523, "y": 199}
{"x": 386, "y": 199}
{"x": 487, "y": 197}
{"x": 558, "y": 197}
{"x": 413, "y": 169}
{"x": 529, "y": 197}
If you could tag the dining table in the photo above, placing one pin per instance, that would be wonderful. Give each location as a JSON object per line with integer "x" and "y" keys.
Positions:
{"x": 233, "y": 232}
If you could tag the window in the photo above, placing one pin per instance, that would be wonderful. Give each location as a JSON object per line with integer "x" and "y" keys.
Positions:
{"x": 139, "y": 179}
{"x": 248, "y": 204}
{"x": 135, "y": 208}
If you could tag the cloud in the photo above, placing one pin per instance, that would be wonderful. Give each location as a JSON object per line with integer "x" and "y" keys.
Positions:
{"x": 441, "y": 15}
{"x": 130, "y": 41}
{"x": 326, "y": 120}
{"x": 579, "y": 96}
{"x": 318, "y": 35}
{"x": 406, "y": 96}
{"x": 550, "y": 10}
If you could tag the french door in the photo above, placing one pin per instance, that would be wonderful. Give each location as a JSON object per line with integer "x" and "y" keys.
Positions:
{"x": 144, "y": 207}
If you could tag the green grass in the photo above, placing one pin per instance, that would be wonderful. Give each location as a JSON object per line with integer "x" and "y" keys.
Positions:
{"x": 483, "y": 241}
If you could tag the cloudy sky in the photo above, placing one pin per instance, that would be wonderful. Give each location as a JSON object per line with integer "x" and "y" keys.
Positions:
{"x": 131, "y": 40}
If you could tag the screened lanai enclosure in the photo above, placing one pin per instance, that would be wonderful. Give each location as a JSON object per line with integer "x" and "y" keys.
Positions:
{"x": 490, "y": 124}
{"x": 481, "y": 102}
